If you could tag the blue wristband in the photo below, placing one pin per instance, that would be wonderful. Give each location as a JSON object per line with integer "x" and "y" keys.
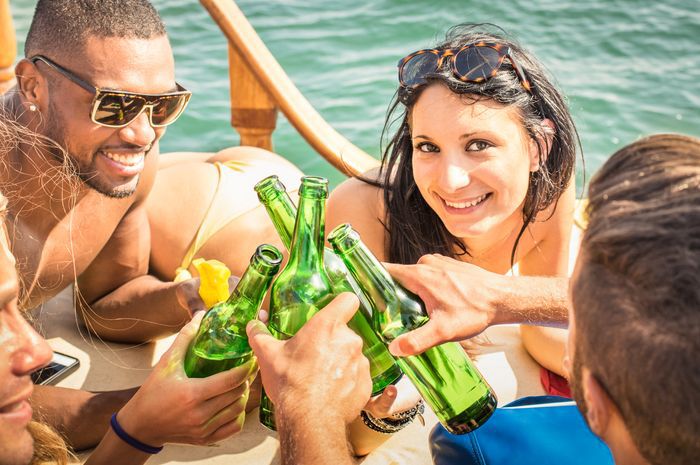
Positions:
{"x": 133, "y": 442}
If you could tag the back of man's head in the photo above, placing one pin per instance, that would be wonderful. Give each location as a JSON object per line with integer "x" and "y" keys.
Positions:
{"x": 62, "y": 26}
{"x": 636, "y": 296}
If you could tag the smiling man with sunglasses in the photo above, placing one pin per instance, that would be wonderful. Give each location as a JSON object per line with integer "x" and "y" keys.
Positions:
{"x": 98, "y": 88}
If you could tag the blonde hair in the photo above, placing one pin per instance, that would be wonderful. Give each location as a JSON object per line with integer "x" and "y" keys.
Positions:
{"x": 49, "y": 446}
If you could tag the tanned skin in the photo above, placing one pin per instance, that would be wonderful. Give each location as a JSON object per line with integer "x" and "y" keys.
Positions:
{"x": 92, "y": 227}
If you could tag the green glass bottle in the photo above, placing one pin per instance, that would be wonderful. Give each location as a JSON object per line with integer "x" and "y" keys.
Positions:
{"x": 302, "y": 287}
{"x": 221, "y": 342}
{"x": 282, "y": 211}
{"x": 444, "y": 375}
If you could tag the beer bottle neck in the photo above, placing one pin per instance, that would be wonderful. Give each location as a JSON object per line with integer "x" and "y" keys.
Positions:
{"x": 309, "y": 229}
{"x": 282, "y": 214}
{"x": 375, "y": 282}
{"x": 256, "y": 279}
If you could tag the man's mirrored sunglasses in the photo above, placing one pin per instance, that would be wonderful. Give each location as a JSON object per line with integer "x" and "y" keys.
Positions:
{"x": 117, "y": 108}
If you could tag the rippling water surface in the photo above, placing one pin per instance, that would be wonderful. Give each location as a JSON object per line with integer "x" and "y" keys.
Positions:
{"x": 628, "y": 67}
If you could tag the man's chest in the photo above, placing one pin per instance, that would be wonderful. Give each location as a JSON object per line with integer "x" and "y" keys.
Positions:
{"x": 49, "y": 259}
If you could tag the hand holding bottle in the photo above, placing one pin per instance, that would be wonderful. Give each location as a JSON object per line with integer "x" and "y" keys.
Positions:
{"x": 458, "y": 297}
{"x": 320, "y": 369}
{"x": 187, "y": 294}
{"x": 172, "y": 408}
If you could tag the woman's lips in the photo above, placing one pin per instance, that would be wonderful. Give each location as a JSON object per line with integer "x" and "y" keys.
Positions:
{"x": 18, "y": 411}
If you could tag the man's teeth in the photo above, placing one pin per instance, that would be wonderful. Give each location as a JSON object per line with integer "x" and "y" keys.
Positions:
{"x": 125, "y": 159}
{"x": 465, "y": 204}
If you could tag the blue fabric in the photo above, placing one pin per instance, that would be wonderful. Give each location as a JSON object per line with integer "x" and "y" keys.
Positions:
{"x": 525, "y": 432}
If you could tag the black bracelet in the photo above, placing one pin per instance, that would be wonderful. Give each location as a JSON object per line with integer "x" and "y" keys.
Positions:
{"x": 133, "y": 442}
{"x": 395, "y": 423}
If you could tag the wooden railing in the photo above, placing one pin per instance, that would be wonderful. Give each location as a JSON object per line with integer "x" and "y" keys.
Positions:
{"x": 8, "y": 47}
{"x": 259, "y": 86}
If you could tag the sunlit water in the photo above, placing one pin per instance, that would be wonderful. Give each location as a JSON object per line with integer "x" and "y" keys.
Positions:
{"x": 629, "y": 68}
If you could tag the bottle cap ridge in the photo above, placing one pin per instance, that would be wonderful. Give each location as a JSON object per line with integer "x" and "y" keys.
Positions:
{"x": 269, "y": 188}
{"x": 268, "y": 257}
{"x": 343, "y": 238}
{"x": 315, "y": 187}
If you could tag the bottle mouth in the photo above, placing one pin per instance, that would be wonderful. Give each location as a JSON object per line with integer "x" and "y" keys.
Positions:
{"x": 268, "y": 257}
{"x": 343, "y": 238}
{"x": 315, "y": 187}
{"x": 269, "y": 188}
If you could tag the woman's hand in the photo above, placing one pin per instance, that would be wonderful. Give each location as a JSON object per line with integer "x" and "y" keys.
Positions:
{"x": 170, "y": 407}
{"x": 187, "y": 294}
{"x": 396, "y": 398}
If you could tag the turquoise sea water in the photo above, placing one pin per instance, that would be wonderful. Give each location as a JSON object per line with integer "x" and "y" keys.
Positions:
{"x": 628, "y": 67}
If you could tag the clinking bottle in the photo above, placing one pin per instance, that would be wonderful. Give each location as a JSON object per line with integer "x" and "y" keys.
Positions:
{"x": 221, "y": 342}
{"x": 282, "y": 211}
{"x": 302, "y": 288}
{"x": 444, "y": 375}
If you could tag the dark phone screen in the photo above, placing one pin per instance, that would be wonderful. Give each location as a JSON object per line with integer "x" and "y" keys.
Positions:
{"x": 47, "y": 372}
{"x": 54, "y": 370}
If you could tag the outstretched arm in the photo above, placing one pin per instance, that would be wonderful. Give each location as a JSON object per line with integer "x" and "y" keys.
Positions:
{"x": 82, "y": 416}
{"x": 120, "y": 300}
{"x": 463, "y": 300}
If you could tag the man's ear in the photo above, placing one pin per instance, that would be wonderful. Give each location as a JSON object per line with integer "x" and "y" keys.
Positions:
{"x": 30, "y": 83}
{"x": 599, "y": 406}
{"x": 543, "y": 139}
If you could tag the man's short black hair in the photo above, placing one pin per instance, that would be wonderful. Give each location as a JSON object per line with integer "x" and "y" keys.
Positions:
{"x": 64, "y": 25}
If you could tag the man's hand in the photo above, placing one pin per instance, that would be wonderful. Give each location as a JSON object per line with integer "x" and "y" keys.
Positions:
{"x": 187, "y": 293}
{"x": 170, "y": 407}
{"x": 321, "y": 369}
{"x": 460, "y": 298}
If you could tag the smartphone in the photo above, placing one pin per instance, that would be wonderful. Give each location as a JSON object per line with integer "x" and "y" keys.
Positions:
{"x": 59, "y": 367}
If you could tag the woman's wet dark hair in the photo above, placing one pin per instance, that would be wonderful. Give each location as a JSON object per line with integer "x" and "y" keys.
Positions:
{"x": 414, "y": 228}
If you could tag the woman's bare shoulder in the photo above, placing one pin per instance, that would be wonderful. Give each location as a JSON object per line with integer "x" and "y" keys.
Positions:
{"x": 361, "y": 204}
{"x": 550, "y": 236}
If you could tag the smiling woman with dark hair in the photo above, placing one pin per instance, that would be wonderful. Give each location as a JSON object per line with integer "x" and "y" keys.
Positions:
{"x": 480, "y": 171}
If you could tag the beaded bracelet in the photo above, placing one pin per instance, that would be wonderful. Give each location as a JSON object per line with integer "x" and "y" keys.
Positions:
{"x": 396, "y": 422}
{"x": 133, "y": 442}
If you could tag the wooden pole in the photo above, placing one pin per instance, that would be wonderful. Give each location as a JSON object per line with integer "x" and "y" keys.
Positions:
{"x": 253, "y": 110}
{"x": 335, "y": 148}
{"x": 8, "y": 47}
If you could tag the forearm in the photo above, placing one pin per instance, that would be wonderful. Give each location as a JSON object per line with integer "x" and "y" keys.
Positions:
{"x": 112, "y": 450}
{"x": 364, "y": 440}
{"x": 312, "y": 439}
{"x": 532, "y": 300}
{"x": 82, "y": 417}
{"x": 142, "y": 309}
{"x": 546, "y": 345}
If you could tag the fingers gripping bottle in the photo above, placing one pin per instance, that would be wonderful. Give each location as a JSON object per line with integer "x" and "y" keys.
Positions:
{"x": 302, "y": 288}
{"x": 443, "y": 375}
{"x": 221, "y": 342}
{"x": 282, "y": 211}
